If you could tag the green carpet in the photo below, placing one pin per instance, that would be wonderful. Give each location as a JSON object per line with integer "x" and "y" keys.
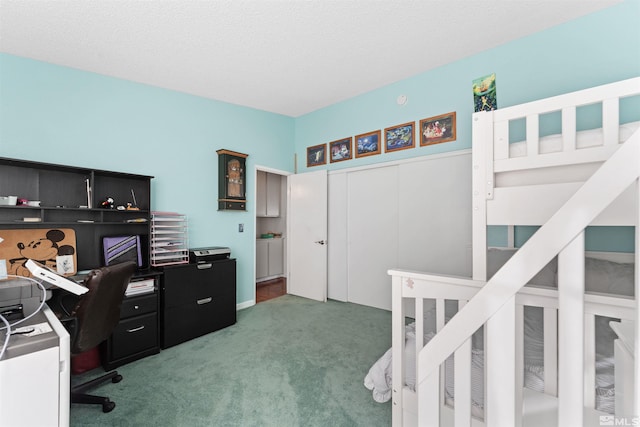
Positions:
{"x": 286, "y": 362}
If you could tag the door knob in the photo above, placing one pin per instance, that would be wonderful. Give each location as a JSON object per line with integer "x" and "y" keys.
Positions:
{"x": 320, "y": 242}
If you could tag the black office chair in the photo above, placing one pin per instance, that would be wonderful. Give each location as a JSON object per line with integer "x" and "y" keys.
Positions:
{"x": 95, "y": 316}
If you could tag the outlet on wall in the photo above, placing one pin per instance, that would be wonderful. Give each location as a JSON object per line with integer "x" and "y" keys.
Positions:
{"x": 240, "y": 228}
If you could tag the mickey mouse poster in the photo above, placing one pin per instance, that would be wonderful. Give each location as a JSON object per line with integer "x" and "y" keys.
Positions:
{"x": 54, "y": 248}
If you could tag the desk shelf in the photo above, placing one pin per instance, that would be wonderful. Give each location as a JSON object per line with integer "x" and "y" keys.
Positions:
{"x": 62, "y": 192}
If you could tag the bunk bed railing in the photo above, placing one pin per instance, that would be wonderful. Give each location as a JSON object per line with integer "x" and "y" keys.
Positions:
{"x": 494, "y": 304}
{"x": 568, "y": 104}
{"x": 423, "y": 286}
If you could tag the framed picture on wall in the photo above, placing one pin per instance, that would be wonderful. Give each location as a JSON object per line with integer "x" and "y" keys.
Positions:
{"x": 399, "y": 137}
{"x": 367, "y": 144}
{"x": 484, "y": 93}
{"x": 438, "y": 129}
{"x": 340, "y": 150}
{"x": 317, "y": 155}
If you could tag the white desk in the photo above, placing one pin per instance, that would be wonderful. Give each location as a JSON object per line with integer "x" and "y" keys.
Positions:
{"x": 34, "y": 377}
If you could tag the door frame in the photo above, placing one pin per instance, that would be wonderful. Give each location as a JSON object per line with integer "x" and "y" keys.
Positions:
{"x": 255, "y": 218}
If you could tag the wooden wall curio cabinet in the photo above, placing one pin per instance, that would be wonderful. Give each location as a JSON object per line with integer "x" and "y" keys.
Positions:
{"x": 232, "y": 180}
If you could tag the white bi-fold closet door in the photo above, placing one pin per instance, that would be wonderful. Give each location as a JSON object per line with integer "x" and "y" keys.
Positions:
{"x": 413, "y": 214}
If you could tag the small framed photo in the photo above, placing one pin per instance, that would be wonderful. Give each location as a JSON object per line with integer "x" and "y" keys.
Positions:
{"x": 367, "y": 144}
{"x": 340, "y": 150}
{"x": 484, "y": 93}
{"x": 317, "y": 155}
{"x": 435, "y": 130}
{"x": 399, "y": 137}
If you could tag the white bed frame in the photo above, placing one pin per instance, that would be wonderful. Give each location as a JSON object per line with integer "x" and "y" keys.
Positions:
{"x": 565, "y": 192}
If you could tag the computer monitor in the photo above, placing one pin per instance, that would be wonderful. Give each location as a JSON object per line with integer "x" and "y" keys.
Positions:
{"x": 119, "y": 249}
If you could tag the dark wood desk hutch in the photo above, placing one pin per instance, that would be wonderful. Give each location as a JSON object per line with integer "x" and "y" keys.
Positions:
{"x": 65, "y": 203}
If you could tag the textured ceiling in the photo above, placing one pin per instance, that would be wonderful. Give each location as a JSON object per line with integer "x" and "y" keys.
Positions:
{"x": 288, "y": 56}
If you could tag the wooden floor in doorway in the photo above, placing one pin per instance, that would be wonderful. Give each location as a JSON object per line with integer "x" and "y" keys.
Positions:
{"x": 270, "y": 289}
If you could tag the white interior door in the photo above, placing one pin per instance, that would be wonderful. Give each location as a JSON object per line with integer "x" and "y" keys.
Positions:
{"x": 307, "y": 235}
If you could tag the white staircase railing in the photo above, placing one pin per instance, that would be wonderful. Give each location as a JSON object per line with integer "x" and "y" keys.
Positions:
{"x": 494, "y": 304}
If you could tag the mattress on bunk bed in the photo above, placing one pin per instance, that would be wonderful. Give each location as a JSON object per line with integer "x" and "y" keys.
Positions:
{"x": 584, "y": 139}
{"x": 601, "y": 276}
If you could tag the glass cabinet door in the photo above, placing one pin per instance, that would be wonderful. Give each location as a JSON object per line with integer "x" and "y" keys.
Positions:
{"x": 235, "y": 183}
{"x": 231, "y": 180}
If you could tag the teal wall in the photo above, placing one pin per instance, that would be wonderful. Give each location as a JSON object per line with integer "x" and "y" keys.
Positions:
{"x": 600, "y": 48}
{"x": 60, "y": 115}
{"x": 605, "y": 239}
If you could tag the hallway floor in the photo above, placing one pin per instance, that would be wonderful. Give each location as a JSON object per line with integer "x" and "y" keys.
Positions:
{"x": 270, "y": 289}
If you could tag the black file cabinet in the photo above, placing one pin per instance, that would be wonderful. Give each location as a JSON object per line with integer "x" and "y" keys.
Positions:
{"x": 197, "y": 299}
{"x": 137, "y": 333}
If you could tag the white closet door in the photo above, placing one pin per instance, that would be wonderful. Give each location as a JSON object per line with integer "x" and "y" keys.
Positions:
{"x": 373, "y": 238}
{"x": 435, "y": 215}
{"x": 337, "y": 249}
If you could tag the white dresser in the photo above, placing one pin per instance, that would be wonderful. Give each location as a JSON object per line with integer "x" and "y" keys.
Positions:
{"x": 34, "y": 376}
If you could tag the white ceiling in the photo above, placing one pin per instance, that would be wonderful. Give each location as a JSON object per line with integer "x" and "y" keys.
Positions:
{"x": 288, "y": 56}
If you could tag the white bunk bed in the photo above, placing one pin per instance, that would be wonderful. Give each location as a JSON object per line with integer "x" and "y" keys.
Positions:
{"x": 564, "y": 183}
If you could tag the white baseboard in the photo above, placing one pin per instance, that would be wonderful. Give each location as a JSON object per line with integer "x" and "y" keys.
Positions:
{"x": 245, "y": 304}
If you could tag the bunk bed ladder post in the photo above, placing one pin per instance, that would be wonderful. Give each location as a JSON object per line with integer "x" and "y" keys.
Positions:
{"x": 482, "y": 173}
{"x": 550, "y": 325}
{"x": 571, "y": 333}
{"x": 519, "y": 364}
{"x": 462, "y": 381}
{"x": 429, "y": 401}
{"x": 482, "y": 189}
{"x": 397, "y": 339}
{"x": 624, "y": 387}
{"x": 433, "y": 417}
{"x": 500, "y": 367}
{"x": 431, "y": 391}
{"x": 590, "y": 360}
{"x": 440, "y": 322}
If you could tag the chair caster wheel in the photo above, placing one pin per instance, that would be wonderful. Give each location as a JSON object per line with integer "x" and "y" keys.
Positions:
{"x": 108, "y": 406}
{"x": 116, "y": 379}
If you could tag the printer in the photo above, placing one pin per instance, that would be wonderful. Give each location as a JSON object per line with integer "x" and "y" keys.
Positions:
{"x": 18, "y": 298}
{"x": 208, "y": 254}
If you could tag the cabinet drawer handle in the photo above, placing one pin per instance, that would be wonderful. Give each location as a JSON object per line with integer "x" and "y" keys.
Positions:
{"x": 204, "y": 266}
{"x": 205, "y": 301}
{"x": 139, "y": 328}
